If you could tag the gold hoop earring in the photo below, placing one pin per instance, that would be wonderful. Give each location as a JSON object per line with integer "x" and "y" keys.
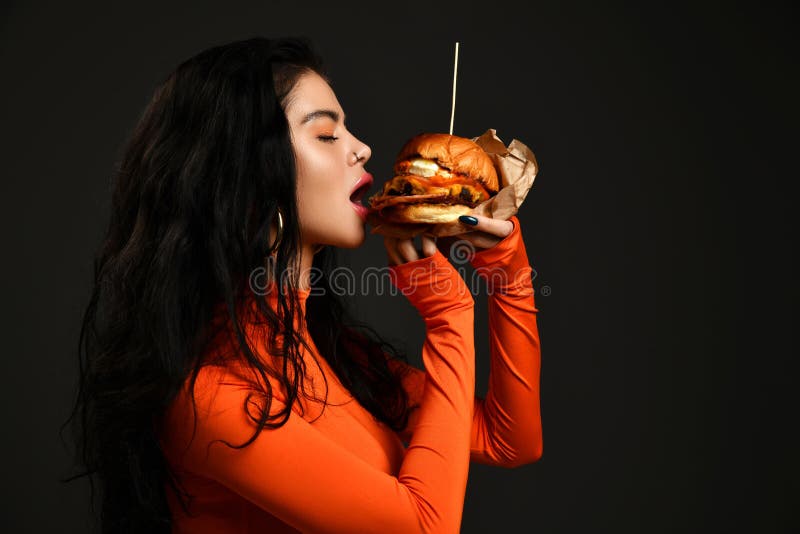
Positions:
{"x": 318, "y": 249}
{"x": 278, "y": 236}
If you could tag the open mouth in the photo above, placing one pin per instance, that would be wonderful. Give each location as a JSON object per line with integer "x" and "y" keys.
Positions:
{"x": 359, "y": 193}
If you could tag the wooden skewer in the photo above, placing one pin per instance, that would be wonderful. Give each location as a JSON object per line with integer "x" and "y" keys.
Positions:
{"x": 455, "y": 73}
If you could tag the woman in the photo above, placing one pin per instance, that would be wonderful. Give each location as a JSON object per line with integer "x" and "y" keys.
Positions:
{"x": 210, "y": 403}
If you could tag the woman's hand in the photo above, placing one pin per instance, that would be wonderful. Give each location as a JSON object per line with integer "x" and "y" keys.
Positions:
{"x": 486, "y": 233}
{"x": 403, "y": 250}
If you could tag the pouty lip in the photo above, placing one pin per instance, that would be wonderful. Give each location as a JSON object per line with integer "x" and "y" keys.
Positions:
{"x": 366, "y": 179}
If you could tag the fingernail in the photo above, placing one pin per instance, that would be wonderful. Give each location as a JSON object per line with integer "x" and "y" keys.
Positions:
{"x": 468, "y": 219}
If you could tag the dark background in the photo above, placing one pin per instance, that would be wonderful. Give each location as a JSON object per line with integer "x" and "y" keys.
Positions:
{"x": 660, "y": 224}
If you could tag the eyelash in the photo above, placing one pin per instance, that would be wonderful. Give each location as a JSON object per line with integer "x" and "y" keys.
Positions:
{"x": 327, "y": 138}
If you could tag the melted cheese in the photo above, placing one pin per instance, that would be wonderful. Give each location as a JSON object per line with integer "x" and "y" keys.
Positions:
{"x": 423, "y": 167}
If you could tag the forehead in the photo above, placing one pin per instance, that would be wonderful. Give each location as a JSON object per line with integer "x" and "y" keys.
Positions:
{"x": 310, "y": 93}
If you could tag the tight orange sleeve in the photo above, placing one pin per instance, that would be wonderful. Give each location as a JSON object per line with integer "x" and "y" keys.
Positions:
{"x": 506, "y": 429}
{"x": 310, "y": 482}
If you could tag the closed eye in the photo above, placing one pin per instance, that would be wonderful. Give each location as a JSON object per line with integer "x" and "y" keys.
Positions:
{"x": 327, "y": 138}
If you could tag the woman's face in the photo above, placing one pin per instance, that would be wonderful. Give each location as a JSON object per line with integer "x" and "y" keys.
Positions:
{"x": 330, "y": 165}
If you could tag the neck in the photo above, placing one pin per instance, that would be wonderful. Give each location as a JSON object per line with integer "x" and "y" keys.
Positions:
{"x": 303, "y": 279}
{"x": 306, "y": 261}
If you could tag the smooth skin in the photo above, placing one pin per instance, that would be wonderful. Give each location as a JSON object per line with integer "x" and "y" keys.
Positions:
{"x": 486, "y": 234}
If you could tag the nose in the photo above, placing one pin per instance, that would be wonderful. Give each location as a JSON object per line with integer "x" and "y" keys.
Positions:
{"x": 361, "y": 154}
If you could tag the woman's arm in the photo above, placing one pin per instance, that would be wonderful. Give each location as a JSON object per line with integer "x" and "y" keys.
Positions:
{"x": 310, "y": 482}
{"x": 506, "y": 429}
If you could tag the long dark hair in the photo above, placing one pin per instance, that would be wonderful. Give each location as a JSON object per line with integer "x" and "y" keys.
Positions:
{"x": 201, "y": 178}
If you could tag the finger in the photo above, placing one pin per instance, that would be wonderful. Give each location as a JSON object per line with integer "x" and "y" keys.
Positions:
{"x": 405, "y": 247}
{"x": 497, "y": 227}
{"x": 391, "y": 250}
{"x": 480, "y": 240}
{"x": 428, "y": 245}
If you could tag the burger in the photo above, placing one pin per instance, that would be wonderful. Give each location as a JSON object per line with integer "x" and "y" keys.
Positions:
{"x": 437, "y": 178}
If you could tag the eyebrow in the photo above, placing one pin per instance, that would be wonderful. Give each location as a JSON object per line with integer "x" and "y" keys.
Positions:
{"x": 333, "y": 115}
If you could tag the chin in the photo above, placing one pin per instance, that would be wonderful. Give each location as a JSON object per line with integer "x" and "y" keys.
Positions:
{"x": 356, "y": 240}
{"x": 352, "y": 239}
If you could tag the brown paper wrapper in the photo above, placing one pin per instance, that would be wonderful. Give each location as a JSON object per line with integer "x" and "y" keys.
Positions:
{"x": 516, "y": 168}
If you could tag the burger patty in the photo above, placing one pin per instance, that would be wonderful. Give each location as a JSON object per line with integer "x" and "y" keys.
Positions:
{"x": 446, "y": 191}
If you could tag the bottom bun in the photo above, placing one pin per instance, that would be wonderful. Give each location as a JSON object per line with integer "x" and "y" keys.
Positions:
{"x": 401, "y": 231}
{"x": 393, "y": 229}
{"x": 427, "y": 213}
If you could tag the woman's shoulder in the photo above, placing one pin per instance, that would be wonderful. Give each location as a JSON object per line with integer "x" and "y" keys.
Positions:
{"x": 220, "y": 393}
{"x": 223, "y": 362}
{"x": 204, "y": 391}
{"x": 223, "y": 376}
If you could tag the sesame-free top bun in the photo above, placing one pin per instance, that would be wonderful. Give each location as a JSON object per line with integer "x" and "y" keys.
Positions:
{"x": 458, "y": 154}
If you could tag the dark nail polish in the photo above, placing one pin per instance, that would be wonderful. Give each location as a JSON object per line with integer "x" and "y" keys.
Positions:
{"x": 468, "y": 219}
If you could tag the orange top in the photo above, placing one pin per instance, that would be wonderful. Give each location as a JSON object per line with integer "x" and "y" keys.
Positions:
{"x": 345, "y": 472}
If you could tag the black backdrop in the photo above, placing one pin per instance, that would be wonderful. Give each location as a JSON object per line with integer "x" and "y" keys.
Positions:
{"x": 659, "y": 227}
